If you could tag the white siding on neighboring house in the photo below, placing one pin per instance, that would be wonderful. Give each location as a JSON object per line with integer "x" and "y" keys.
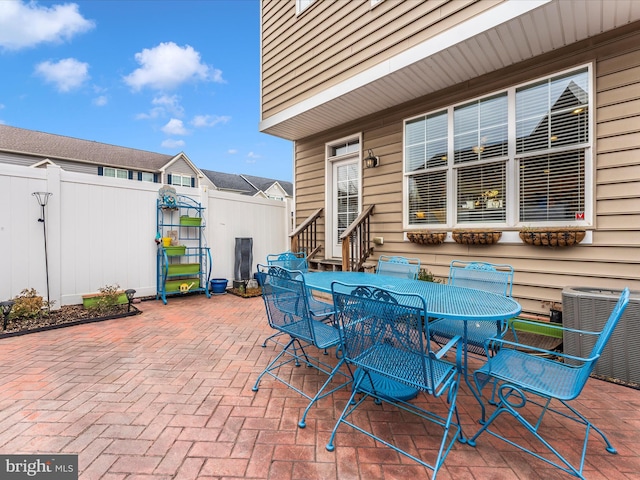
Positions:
{"x": 276, "y": 192}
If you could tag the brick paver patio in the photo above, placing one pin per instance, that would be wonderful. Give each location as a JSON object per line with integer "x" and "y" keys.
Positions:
{"x": 167, "y": 395}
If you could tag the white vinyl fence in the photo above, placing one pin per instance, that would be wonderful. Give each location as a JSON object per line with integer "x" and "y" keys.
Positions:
{"x": 101, "y": 231}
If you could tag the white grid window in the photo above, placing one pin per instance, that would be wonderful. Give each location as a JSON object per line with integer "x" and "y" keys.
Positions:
{"x": 115, "y": 172}
{"x": 517, "y": 157}
{"x": 177, "y": 179}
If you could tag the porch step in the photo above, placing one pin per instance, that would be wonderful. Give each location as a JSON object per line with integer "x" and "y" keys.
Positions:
{"x": 325, "y": 264}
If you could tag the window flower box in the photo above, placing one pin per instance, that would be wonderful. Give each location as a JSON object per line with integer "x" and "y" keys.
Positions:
{"x": 425, "y": 237}
{"x": 476, "y": 237}
{"x": 552, "y": 236}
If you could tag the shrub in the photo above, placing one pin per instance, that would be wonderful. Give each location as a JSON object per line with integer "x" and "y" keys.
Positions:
{"x": 426, "y": 276}
{"x": 107, "y": 298}
{"x": 28, "y": 304}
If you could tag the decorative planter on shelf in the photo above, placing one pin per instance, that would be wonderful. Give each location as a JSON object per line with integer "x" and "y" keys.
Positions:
{"x": 175, "y": 250}
{"x": 187, "y": 221}
{"x": 476, "y": 237}
{"x": 184, "y": 268}
{"x": 174, "y": 285}
{"x": 425, "y": 237}
{"x": 552, "y": 236}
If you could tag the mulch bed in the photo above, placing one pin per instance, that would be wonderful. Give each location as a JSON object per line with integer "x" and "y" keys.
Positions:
{"x": 65, "y": 316}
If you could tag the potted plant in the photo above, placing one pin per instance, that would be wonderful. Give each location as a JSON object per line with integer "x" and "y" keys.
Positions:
{"x": 555, "y": 311}
{"x": 107, "y": 297}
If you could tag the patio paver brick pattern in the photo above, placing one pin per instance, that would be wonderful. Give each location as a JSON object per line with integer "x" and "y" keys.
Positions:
{"x": 167, "y": 395}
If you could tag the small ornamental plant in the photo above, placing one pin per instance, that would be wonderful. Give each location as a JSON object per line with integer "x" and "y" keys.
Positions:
{"x": 426, "y": 276}
{"x": 106, "y": 299}
{"x": 28, "y": 304}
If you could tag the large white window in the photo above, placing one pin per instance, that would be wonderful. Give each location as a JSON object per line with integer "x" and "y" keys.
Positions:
{"x": 516, "y": 157}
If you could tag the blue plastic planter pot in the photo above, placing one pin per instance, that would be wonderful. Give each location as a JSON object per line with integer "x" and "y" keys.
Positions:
{"x": 218, "y": 285}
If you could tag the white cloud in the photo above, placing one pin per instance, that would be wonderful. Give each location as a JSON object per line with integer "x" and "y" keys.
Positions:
{"x": 175, "y": 127}
{"x": 164, "y": 105}
{"x": 172, "y": 144}
{"x": 253, "y": 155}
{"x": 232, "y": 151}
{"x": 153, "y": 113}
{"x": 167, "y": 66}
{"x": 170, "y": 103}
{"x": 100, "y": 101}
{"x": 209, "y": 120}
{"x": 28, "y": 24}
{"x": 66, "y": 74}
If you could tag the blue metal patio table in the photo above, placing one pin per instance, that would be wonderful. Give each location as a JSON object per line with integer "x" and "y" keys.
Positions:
{"x": 443, "y": 301}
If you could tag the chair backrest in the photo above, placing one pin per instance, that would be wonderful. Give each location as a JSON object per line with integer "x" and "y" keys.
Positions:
{"x": 401, "y": 267}
{"x": 609, "y": 327}
{"x": 375, "y": 323}
{"x": 285, "y": 298}
{"x": 582, "y": 367}
{"x": 289, "y": 260}
{"x": 490, "y": 277}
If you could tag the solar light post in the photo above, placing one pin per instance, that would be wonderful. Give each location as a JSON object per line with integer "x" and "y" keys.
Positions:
{"x": 130, "y": 293}
{"x": 42, "y": 199}
{"x": 6, "y": 311}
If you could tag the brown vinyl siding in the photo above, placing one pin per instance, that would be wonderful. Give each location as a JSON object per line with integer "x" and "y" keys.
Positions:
{"x": 613, "y": 258}
{"x": 335, "y": 40}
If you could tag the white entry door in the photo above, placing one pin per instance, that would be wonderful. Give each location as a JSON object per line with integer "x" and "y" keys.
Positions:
{"x": 345, "y": 204}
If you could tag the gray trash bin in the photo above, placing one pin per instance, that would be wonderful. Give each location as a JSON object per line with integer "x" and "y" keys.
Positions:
{"x": 587, "y": 308}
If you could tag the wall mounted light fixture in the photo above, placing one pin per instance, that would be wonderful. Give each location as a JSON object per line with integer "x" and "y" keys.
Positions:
{"x": 371, "y": 161}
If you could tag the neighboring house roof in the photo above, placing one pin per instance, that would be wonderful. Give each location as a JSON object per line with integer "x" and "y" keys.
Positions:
{"x": 265, "y": 183}
{"x": 50, "y": 146}
{"x": 246, "y": 184}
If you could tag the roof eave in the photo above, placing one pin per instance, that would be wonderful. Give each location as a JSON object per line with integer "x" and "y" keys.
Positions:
{"x": 373, "y": 90}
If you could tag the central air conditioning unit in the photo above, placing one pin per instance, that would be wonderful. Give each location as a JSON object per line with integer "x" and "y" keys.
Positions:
{"x": 586, "y": 308}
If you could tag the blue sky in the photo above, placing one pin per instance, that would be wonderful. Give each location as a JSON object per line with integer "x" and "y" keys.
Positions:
{"x": 164, "y": 76}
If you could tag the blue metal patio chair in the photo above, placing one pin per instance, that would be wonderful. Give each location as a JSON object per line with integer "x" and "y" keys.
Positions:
{"x": 530, "y": 375}
{"x": 298, "y": 261}
{"x": 396, "y": 266}
{"x": 289, "y": 260}
{"x": 494, "y": 278}
{"x": 287, "y": 307}
{"x": 383, "y": 337}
